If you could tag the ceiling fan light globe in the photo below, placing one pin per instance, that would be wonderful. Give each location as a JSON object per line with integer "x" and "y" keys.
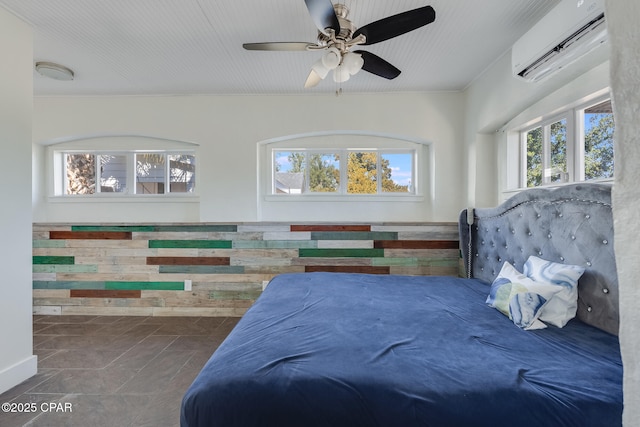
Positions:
{"x": 341, "y": 74}
{"x": 353, "y": 62}
{"x": 332, "y": 58}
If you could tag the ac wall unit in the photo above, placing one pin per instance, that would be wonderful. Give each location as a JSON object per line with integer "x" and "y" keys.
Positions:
{"x": 569, "y": 31}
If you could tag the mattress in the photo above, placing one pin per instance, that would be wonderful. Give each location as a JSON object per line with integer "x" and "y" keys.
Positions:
{"x": 333, "y": 349}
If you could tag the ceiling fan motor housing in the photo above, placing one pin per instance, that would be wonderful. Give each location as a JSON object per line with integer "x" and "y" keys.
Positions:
{"x": 346, "y": 29}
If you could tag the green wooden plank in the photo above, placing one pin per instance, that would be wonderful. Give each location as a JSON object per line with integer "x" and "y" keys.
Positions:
{"x": 354, "y": 235}
{"x": 137, "y": 228}
{"x": 53, "y": 259}
{"x": 48, "y": 243}
{"x": 274, "y": 244}
{"x": 202, "y": 269}
{"x": 159, "y": 228}
{"x": 438, "y": 262}
{"x": 199, "y": 244}
{"x": 389, "y": 262}
{"x": 42, "y": 284}
{"x": 227, "y": 228}
{"x": 234, "y": 295}
{"x": 145, "y": 286}
{"x": 76, "y": 268}
{"x": 341, "y": 253}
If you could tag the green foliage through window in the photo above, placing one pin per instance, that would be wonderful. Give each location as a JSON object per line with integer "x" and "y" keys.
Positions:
{"x": 366, "y": 172}
{"x": 551, "y": 156}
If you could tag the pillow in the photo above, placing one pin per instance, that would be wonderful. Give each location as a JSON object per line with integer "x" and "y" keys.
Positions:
{"x": 520, "y": 298}
{"x": 564, "y": 304}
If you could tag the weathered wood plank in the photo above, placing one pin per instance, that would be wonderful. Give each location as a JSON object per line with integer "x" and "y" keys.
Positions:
{"x": 345, "y": 244}
{"x": 416, "y": 244}
{"x": 90, "y": 235}
{"x": 422, "y": 253}
{"x": 51, "y": 293}
{"x": 331, "y": 261}
{"x": 127, "y": 269}
{"x": 273, "y": 269}
{"x": 106, "y": 244}
{"x": 47, "y": 310}
{"x": 199, "y": 299}
{"x": 187, "y": 260}
{"x": 103, "y": 293}
{"x": 330, "y": 227}
{"x": 347, "y": 269}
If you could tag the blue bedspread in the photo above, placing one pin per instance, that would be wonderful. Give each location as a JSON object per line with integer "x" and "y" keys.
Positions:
{"x": 331, "y": 349}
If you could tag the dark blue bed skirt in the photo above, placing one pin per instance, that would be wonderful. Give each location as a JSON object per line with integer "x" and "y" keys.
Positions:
{"x": 331, "y": 349}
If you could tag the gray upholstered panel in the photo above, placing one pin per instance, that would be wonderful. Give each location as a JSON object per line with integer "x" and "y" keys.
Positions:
{"x": 570, "y": 224}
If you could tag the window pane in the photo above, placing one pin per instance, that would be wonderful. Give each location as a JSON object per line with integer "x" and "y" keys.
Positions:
{"x": 558, "y": 145}
{"x": 81, "y": 174}
{"x": 324, "y": 172}
{"x": 598, "y": 141}
{"x": 362, "y": 173}
{"x": 182, "y": 170}
{"x": 150, "y": 173}
{"x": 534, "y": 157}
{"x": 113, "y": 173}
{"x": 396, "y": 172}
{"x": 289, "y": 172}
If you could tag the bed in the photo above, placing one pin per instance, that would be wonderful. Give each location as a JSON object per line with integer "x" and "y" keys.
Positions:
{"x": 346, "y": 349}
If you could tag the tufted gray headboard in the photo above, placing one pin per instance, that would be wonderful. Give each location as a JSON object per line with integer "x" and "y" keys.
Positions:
{"x": 572, "y": 224}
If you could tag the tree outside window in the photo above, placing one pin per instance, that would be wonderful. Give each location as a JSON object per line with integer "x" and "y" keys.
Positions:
{"x": 366, "y": 172}
{"x": 548, "y": 149}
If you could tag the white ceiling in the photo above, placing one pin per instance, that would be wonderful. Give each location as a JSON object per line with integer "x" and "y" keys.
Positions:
{"x": 141, "y": 47}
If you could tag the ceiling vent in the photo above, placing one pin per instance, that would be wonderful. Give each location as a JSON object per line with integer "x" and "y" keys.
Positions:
{"x": 568, "y": 32}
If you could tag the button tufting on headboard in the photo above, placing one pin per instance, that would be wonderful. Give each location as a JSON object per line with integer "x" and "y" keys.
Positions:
{"x": 571, "y": 224}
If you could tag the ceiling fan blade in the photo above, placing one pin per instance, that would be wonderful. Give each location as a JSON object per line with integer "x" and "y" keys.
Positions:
{"x": 313, "y": 80}
{"x": 378, "y": 66}
{"x": 395, "y": 25}
{"x": 323, "y": 15}
{"x": 278, "y": 46}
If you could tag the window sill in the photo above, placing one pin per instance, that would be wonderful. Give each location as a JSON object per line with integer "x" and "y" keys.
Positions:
{"x": 350, "y": 198}
{"x": 127, "y": 198}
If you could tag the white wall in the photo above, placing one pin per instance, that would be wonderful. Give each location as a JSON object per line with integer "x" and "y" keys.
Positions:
{"x": 622, "y": 16}
{"x": 228, "y": 130}
{"x": 17, "y": 361}
{"x": 497, "y": 101}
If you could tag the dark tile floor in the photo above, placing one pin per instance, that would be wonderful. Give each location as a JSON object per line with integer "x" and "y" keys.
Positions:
{"x": 113, "y": 371}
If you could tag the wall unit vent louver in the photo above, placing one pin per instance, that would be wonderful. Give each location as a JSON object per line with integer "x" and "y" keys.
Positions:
{"x": 569, "y": 31}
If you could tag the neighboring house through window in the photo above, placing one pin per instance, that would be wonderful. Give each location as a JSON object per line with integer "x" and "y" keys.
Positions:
{"x": 83, "y": 168}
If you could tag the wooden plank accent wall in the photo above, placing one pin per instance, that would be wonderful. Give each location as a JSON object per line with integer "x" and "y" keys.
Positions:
{"x": 140, "y": 269}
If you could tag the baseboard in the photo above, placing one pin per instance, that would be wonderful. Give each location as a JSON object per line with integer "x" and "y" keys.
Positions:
{"x": 17, "y": 373}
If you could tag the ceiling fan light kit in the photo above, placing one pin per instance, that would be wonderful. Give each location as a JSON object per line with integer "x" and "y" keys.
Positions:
{"x": 332, "y": 58}
{"x": 353, "y": 62}
{"x": 341, "y": 74}
{"x": 338, "y": 35}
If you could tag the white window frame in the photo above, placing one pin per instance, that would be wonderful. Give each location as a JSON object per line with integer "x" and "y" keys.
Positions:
{"x": 343, "y": 154}
{"x": 60, "y": 173}
{"x": 546, "y": 149}
{"x": 575, "y": 144}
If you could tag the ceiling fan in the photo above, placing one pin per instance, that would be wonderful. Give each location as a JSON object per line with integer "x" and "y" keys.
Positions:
{"x": 337, "y": 36}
